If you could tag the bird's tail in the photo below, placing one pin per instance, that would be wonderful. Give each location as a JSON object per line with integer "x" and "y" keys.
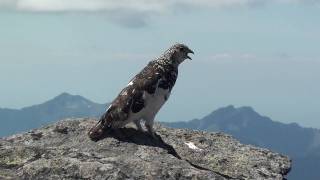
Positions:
{"x": 97, "y": 131}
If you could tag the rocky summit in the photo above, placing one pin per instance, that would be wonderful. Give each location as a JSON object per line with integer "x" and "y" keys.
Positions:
{"x": 64, "y": 151}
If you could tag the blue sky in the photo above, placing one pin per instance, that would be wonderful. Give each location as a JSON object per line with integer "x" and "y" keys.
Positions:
{"x": 263, "y": 54}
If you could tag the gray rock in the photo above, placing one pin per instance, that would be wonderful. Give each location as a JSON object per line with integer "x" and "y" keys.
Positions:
{"x": 64, "y": 151}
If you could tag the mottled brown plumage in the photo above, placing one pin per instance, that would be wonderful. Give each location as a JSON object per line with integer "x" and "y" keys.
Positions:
{"x": 143, "y": 97}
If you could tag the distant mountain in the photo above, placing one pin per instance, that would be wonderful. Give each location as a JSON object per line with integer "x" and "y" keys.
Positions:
{"x": 63, "y": 106}
{"x": 301, "y": 144}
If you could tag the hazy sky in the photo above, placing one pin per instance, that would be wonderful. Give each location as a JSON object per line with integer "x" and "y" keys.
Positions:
{"x": 263, "y": 54}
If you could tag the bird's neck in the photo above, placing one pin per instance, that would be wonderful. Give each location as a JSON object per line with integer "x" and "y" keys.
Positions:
{"x": 169, "y": 58}
{"x": 167, "y": 62}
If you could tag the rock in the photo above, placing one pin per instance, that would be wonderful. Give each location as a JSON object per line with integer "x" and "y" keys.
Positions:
{"x": 64, "y": 151}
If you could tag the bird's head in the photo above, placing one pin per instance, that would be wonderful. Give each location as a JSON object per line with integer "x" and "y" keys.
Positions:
{"x": 178, "y": 53}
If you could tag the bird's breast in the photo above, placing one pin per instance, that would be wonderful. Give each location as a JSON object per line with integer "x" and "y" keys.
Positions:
{"x": 153, "y": 102}
{"x": 158, "y": 98}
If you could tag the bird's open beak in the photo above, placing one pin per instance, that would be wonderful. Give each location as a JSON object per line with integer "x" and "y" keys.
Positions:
{"x": 190, "y": 51}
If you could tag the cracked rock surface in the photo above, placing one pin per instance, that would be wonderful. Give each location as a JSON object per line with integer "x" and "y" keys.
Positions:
{"x": 64, "y": 151}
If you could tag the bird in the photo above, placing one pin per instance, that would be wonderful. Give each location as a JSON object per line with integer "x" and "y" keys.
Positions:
{"x": 144, "y": 95}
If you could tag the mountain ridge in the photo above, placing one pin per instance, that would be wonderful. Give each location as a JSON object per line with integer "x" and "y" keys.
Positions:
{"x": 62, "y": 106}
{"x": 249, "y": 127}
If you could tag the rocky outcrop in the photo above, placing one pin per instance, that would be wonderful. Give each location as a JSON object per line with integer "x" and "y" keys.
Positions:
{"x": 64, "y": 151}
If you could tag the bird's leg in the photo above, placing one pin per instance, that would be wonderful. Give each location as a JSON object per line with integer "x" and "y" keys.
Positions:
{"x": 149, "y": 126}
{"x": 138, "y": 124}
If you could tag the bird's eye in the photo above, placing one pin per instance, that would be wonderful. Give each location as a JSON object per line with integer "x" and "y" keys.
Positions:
{"x": 181, "y": 48}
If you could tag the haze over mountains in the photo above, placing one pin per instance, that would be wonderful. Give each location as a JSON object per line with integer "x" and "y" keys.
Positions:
{"x": 301, "y": 144}
{"x": 60, "y": 107}
{"x": 246, "y": 125}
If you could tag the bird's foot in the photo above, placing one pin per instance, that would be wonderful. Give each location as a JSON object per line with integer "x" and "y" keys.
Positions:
{"x": 139, "y": 127}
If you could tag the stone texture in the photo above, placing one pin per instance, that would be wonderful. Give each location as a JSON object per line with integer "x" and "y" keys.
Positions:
{"x": 64, "y": 151}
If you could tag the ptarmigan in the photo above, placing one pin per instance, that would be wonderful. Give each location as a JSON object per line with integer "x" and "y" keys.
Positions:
{"x": 143, "y": 97}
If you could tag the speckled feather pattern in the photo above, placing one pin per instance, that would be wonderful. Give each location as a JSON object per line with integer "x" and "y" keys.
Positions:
{"x": 159, "y": 73}
{"x": 145, "y": 94}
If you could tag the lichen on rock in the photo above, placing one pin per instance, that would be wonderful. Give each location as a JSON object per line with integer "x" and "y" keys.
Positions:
{"x": 63, "y": 151}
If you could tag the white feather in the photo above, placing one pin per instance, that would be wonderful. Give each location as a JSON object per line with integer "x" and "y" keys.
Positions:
{"x": 192, "y": 146}
{"x": 153, "y": 103}
{"x": 130, "y": 83}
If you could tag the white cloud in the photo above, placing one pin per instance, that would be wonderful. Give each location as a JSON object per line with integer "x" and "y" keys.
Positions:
{"x": 232, "y": 56}
{"x": 152, "y": 6}
{"x": 130, "y": 13}
{"x": 221, "y": 56}
{"x": 82, "y": 5}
